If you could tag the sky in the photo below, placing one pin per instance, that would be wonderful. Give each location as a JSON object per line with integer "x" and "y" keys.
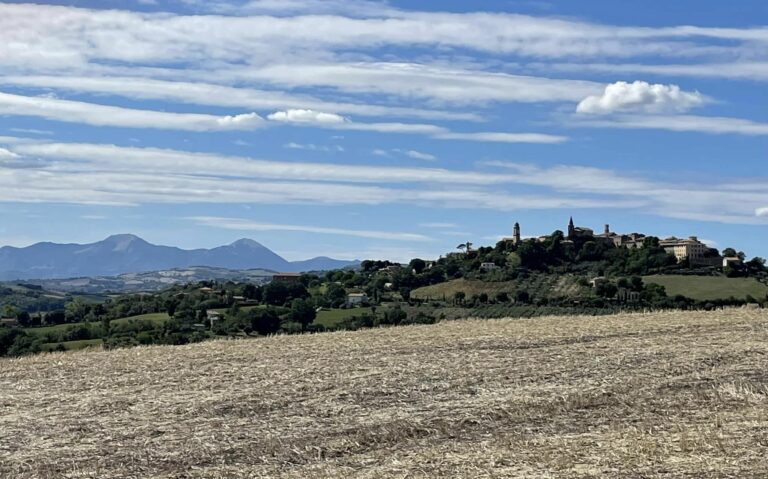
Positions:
{"x": 382, "y": 130}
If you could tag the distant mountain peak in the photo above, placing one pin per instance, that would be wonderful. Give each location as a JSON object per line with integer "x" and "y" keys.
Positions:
{"x": 122, "y": 242}
{"x": 245, "y": 242}
{"x": 122, "y": 237}
{"x": 127, "y": 253}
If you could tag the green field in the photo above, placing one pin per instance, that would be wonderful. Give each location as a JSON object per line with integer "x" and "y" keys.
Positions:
{"x": 332, "y": 317}
{"x": 709, "y": 287}
{"x": 73, "y": 345}
{"x": 157, "y": 318}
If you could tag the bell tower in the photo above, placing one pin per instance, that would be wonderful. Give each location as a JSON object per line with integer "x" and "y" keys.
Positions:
{"x": 571, "y": 229}
{"x": 516, "y": 233}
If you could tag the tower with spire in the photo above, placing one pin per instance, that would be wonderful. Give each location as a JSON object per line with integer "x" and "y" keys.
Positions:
{"x": 571, "y": 229}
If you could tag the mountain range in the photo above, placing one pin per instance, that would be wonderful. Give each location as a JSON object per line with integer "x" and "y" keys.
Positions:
{"x": 126, "y": 253}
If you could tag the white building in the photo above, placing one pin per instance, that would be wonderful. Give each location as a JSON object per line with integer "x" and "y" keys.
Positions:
{"x": 356, "y": 299}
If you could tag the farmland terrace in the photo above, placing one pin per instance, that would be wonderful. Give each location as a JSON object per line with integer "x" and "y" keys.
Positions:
{"x": 680, "y": 394}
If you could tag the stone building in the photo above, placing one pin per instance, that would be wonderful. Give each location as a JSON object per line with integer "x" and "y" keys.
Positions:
{"x": 696, "y": 252}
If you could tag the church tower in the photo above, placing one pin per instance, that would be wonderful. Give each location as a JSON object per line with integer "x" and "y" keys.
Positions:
{"x": 571, "y": 229}
{"x": 516, "y": 233}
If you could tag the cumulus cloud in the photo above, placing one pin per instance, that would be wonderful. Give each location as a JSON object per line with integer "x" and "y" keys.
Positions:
{"x": 307, "y": 116}
{"x": 761, "y": 211}
{"x": 641, "y": 97}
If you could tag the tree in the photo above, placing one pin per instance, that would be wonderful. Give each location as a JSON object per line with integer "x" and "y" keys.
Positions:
{"x": 458, "y": 297}
{"x": 418, "y": 265}
{"x": 24, "y": 319}
{"x": 302, "y": 312}
{"x": 502, "y": 297}
{"x": 264, "y": 321}
{"x": 522, "y": 296}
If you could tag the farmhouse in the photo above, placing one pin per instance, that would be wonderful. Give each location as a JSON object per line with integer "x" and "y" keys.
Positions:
{"x": 356, "y": 299}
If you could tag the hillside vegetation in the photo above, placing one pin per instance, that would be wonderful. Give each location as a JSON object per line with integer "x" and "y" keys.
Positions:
{"x": 679, "y": 394}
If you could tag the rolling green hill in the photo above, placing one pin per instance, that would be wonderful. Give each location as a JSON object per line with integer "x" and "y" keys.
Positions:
{"x": 710, "y": 287}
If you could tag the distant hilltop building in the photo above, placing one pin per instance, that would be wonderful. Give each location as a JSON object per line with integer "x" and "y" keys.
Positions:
{"x": 696, "y": 252}
{"x": 690, "y": 249}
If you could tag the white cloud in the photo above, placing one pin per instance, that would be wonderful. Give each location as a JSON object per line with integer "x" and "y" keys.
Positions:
{"x": 338, "y": 122}
{"x": 499, "y": 137}
{"x": 428, "y": 82}
{"x": 203, "y": 93}
{"x": 248, "y": 225}
{"x": 313, "y": 147}
{"x": 31, "y": 131}
{"x": 417, "y": 155}
{"x": 7, "y": 154}
{"x": 642, "y": 97}
{"x": 761, "y": 211}
{"x": 304, "y": 7}
{"x": 307, "y": 116}
{"x": 683, "y": 123}
{"x": 66, "y": 37}
{"x": 439, "y": 225}
{"x": 104, "y": 174}
{"x": 102, "y": 115}
{"x": 747, "y": 70}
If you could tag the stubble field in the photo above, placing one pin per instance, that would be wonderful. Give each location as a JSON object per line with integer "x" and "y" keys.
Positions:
{"x": 656, "y": 395}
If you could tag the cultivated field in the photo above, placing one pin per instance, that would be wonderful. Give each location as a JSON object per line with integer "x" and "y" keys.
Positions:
{"x": 710, "y": 287}
{"x": 663, "y": 395}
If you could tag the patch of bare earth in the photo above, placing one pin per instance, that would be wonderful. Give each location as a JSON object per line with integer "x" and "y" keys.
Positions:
{"x": 657, "y": 395}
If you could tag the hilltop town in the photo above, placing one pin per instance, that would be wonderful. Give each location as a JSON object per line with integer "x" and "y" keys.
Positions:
{"x": 690, "y": 250}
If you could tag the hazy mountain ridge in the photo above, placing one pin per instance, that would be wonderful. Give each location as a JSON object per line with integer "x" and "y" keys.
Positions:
{"x": 121, "y": 254}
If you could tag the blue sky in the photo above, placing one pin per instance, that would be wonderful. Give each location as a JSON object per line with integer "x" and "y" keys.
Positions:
{"x": 365, "y": 129}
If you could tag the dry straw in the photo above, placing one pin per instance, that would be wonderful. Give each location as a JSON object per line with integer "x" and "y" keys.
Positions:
{"x": 644, "y": 395}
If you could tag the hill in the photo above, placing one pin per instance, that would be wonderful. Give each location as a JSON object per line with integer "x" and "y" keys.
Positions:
{"x": 672, "y": 394}
{"x": 153, "y": 280}
{"x": 708, "y": 288}
{"x": 127, "y": 253}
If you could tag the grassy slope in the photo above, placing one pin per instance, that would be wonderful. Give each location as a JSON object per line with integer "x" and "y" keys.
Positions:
{"x": 157, "y": 318}
{"x": 672, "y": 394}
{"x": 709, "y": 287}
{"x": 74, "y": 345}
{"x": 537, "y": 285}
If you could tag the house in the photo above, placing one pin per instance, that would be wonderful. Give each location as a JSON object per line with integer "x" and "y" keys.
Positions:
{"x": 488, "y": 266}
{"x": 206, "y": 290}
{"x": 356, "y": 299}
{"x": 391, "y": 269}
{"x": 214, "y": 316}
{"x": 9, "y": 322}
{"x": 731, "y": 261}
{"x": 595, "y": 282}
{"x": 287, "y": 277}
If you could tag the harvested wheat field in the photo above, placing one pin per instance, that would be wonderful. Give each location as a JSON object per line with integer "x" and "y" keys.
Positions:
{"x": 658, "y": 395}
